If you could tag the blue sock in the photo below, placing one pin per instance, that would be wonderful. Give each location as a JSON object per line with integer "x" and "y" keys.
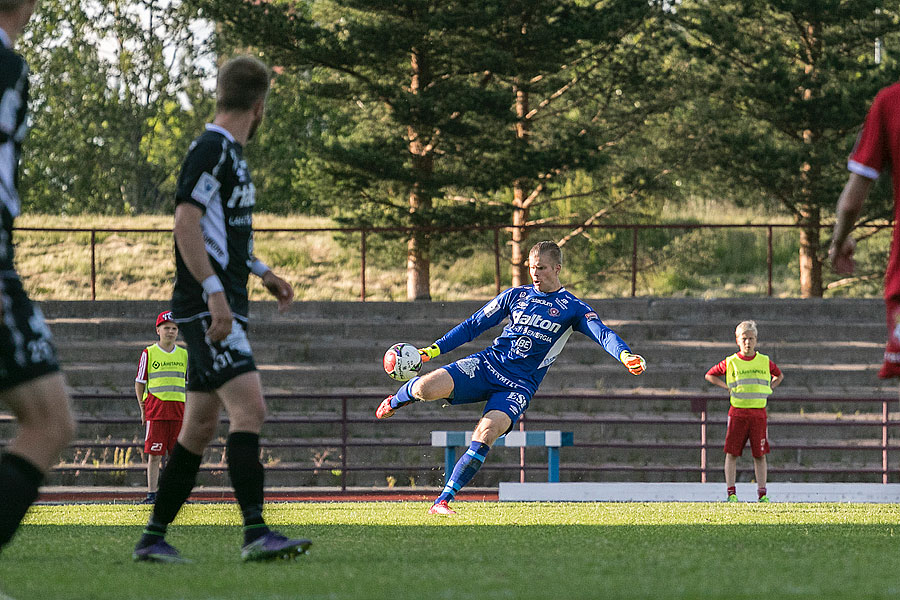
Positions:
{"x": 403, "y": 395}
{"x": 465, "y": 470}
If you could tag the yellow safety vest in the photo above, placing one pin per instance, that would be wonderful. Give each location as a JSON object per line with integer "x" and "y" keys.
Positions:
{"x": 166, "y": 373}
{"x": 749, "y": 381}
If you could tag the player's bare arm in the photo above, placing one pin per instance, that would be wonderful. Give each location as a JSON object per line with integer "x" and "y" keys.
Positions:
{"x": 139, "y": 392}
{"x": 848, "y": 208}
{"x": 776, "y": 381}
{"x": 189, "y": 237}
{"x": 717, "y": 381}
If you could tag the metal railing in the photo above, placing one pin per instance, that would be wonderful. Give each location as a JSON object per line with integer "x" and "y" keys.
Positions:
{"x": 499, "y": 260}
{"x": 693, "y": 422}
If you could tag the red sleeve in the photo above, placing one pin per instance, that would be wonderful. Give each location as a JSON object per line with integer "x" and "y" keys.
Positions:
{"x": 142, "y": 368}
{"x": 871, "y": 149}
{"x": 719, "y": 370}
{"x": 774, "y": 370}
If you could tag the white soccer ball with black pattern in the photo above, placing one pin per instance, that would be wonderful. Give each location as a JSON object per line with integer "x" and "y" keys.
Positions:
{"x": 402, "y": 361}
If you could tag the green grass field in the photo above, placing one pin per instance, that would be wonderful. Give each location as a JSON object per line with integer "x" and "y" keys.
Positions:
{"x": 393, "y": 550}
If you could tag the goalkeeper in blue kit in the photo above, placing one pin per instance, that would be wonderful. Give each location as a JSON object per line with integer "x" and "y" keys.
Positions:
{"x": 507, "y": 374}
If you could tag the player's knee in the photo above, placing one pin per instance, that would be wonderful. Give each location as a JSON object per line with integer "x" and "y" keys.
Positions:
{"x": 65, "y": 429}
{"x": 197, "y": 433}
{"x": 50, "y": 419}
{"x": 434, "y": 386}
{"x": 250, "y": 418}
{"x": 417, "y": 390}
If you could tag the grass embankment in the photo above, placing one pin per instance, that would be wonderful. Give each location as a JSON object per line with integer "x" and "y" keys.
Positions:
{"x": 490, "y": 550}
{"x": 327, "y": 266}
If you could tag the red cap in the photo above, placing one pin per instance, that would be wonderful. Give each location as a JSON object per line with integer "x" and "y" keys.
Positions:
{"x": 164, "y": 316}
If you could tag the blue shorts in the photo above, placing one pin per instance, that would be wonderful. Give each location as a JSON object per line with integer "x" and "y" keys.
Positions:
{"x": 475, "y": 379}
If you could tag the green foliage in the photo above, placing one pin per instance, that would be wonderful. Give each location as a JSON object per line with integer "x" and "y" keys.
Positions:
{"x": 780, "y": 92}
{"x": 116, "y": 98}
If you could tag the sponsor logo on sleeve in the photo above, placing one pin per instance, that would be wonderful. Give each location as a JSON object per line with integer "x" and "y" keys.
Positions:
{"x": 206, "y": 188}
{"x": 492, "y": 307}
{"x": 591, "y": 316}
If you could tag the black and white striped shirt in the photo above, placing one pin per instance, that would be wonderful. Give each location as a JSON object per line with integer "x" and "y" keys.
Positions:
{"x": 13, "y": 127}
{"x": 214, "y": 177}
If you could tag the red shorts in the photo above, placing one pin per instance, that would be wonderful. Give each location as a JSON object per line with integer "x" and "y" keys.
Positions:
{"x": 161, "y": 437}
{"x": 747, "y": 424}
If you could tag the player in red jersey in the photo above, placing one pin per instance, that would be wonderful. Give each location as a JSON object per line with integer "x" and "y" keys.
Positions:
{"x": 877, "y": 149}
{"x": 750, "y": 378}
{"x": 160, "y": 390}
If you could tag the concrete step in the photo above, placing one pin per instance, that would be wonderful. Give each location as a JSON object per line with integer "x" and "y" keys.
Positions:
{"x": 605, "y": 375}
{"x": 579, "y": 349}
{"x": 671, "y": 309}
{"x": 425, "y": 332}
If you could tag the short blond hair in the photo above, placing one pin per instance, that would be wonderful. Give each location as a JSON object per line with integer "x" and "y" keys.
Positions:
{"x": 550, "y": 249}
{"x": 746, "y": 326}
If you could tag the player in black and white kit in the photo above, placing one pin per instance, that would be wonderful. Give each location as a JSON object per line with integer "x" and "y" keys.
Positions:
{"x": 31, "y": 384}
{"x": 214, "y": 258}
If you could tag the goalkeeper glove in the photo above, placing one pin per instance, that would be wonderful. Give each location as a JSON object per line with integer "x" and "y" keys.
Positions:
{"x": 430, "y": 352}
{"x": 635, "y": 363}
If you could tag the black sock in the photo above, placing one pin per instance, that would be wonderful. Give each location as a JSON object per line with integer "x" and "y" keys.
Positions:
{"x": 247, "y": 478}
{"x": 19, "y": 482}
{"x": 175, "y": 485}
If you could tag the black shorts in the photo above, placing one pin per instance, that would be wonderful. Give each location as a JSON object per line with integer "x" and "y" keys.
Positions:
{"x": 26, "y": 347}
{"x": 212, "y": 364}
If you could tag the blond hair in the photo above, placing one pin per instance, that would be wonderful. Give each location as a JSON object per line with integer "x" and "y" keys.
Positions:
{"x": 551, "y": 249}
{"x": 746, "y": 326}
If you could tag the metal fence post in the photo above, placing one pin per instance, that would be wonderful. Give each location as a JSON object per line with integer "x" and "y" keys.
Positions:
{"x": 634, "y": 241}
{"x": 497, "y": 259}
{"x": 343, "y": 444}
{"x": 769, "y": 259}
{"x": 522, "y": 453}
{"x": 884, "y": 442}
{"x": 93, "y": 265}
{"x": 700, "y": 405}
{"x": 362, "y": 268}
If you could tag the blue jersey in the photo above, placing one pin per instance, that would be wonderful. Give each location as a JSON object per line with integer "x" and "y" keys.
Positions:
{"x": 538, "y": 328}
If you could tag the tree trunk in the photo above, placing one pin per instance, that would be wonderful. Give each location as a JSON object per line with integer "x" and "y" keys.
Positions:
{"x": 519, "y": 237}
{"x": 418, "y": 265}
{"x": 521, "y": 190}
{"x": 810, "y": 264}
{"x": 810, "y": 214}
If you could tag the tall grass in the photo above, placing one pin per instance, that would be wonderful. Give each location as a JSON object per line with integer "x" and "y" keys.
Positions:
{"x": 327, "y": 265}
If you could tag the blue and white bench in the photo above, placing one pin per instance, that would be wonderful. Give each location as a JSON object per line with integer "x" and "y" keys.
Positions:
{"x": 552, "y": 440}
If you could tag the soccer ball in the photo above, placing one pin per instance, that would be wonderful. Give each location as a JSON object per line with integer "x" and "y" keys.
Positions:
{"x": 402, "y": 362}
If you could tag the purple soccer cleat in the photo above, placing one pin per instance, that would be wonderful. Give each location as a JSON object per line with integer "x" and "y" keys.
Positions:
{"x": 274, "y": 545}
{"x": 160, "y": 551}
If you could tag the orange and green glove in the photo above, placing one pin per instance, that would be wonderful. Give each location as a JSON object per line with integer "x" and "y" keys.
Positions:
{"x": 635, "y": 363}
{"x": 430, "y": 352}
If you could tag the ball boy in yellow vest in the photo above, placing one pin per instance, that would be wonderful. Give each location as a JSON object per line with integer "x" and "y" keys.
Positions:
{"x": 159, "y": 387}
{"x": 750, "y": 378}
